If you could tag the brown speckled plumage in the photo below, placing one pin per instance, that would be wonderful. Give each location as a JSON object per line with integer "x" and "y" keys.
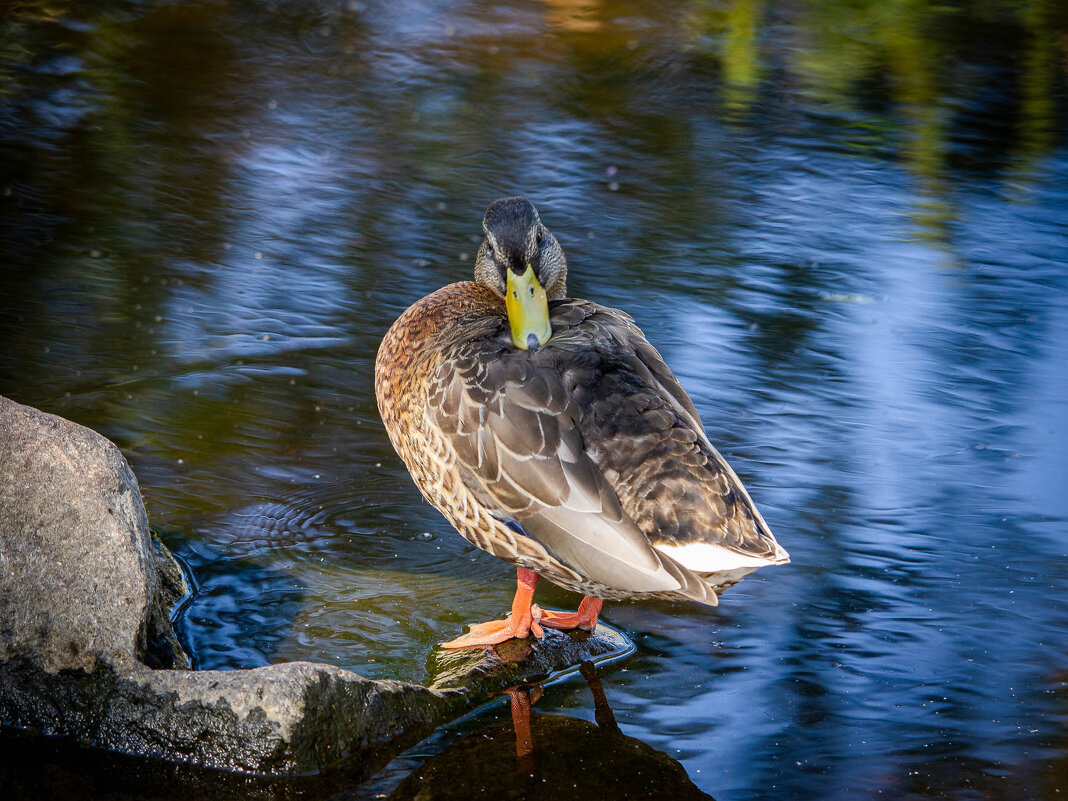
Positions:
{"x": 573, "y": 459}
{"x": 418, "y": 348}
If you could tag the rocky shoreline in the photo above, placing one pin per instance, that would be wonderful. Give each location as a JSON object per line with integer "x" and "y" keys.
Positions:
{"x": 87, "y": 650}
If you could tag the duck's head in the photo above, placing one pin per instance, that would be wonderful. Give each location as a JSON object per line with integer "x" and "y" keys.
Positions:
{"x": 522, "y": 261}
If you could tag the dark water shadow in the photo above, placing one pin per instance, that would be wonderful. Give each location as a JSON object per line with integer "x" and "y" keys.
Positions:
{"x": 549, "y": 756}
{"x": 35, "y": 768}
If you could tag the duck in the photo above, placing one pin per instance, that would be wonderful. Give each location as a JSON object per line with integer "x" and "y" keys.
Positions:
{"x": 551, "y": 434}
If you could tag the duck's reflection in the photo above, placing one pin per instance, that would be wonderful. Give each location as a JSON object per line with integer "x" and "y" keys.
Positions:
{"x": 540, "y": 756}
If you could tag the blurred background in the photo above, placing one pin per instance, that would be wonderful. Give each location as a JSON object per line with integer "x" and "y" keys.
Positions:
{"x": 844, "y": 224}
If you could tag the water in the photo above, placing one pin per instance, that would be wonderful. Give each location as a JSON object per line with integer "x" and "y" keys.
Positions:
{"x": 843, "y": 225}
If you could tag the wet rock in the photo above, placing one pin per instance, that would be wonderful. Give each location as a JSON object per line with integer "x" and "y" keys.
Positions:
{"x": 289, "y": 718}
{"x": 79, "y": 571}
{"x": 87, "y": 649}
{"x": 482, "y": 674}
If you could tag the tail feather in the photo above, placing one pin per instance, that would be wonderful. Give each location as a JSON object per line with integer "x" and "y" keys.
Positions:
{"x": 692, "y": 586}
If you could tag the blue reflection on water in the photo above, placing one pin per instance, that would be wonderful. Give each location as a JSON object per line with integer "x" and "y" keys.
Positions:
{"x": 863, "y": 289}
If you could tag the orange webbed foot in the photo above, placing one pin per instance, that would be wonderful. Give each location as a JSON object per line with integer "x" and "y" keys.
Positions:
{"x": 497, "y": 631}
{"x": 585, "y": 618}
{"x": 524, "y": 619}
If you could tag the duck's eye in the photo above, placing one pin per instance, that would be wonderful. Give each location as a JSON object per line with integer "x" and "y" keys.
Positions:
{"x": 538, "y": 237}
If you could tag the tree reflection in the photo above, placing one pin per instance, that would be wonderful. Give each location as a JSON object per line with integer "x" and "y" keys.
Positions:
{"x": 909, "y": 72}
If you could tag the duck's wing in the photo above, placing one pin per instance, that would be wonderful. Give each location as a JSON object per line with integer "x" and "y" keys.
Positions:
{"x": 513, "y": 428}
{"x": 643, "y": 431}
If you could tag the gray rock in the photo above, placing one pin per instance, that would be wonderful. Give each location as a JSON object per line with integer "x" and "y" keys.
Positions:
{"x": 79, "y": 577}
{"x": 85, "y": 593}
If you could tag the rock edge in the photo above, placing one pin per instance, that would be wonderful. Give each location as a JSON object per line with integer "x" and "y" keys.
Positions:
{"x": 87, "y": 650}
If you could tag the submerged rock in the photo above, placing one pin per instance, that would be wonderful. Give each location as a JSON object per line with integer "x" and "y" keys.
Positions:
{"x": 87, "y": 649}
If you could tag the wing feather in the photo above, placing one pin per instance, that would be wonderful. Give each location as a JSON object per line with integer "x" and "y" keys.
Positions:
{"x": 594, "y": 449}
{"x": 526, "y": 461}
{"x": 645, "y": 434}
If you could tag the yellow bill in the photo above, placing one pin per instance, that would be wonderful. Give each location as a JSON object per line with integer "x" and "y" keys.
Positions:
{"x": 528, "y": 309}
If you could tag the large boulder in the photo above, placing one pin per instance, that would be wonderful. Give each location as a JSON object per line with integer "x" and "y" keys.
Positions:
{"x": 79, "y": 573}
{"x": 87, "y": 649}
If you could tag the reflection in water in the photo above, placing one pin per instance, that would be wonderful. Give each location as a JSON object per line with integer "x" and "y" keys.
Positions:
{"x": 842, "y": 223}
{"x": 550, "y": 757}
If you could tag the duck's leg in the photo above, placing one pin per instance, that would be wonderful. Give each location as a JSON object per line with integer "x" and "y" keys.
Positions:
{"x": 522, "y": 622}
{"x": 585, "y": 618}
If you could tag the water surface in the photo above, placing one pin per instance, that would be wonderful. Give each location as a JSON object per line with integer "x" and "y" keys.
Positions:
{"x": 843, "y": 225}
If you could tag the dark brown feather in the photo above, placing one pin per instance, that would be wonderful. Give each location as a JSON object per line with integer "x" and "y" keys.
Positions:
{"x": 588, "y": 443}
{"x": 641, "y": 428}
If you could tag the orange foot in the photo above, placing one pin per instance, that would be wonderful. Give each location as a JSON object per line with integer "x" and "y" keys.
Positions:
{"x": 497, "y": 631}
{"x": 585, "y": 618}
{"x": 523, "y": 621}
